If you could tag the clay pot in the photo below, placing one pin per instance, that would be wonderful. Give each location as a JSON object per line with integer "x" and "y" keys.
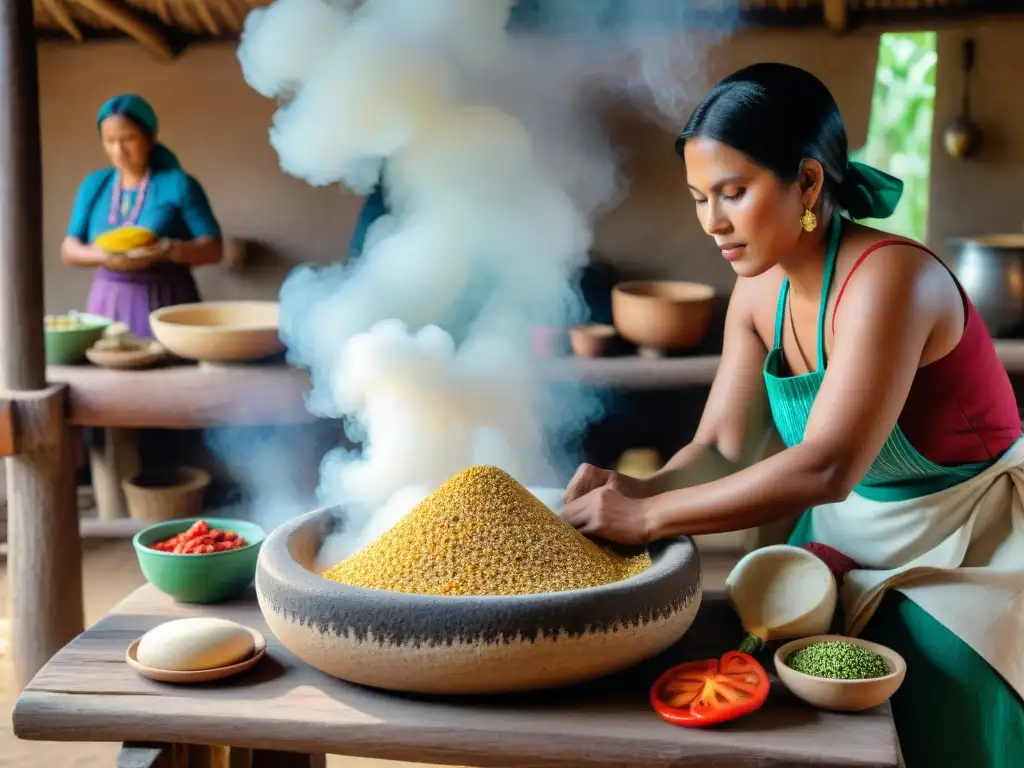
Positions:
{"x": 466, "y": 644}
{"x": 592, "y": 339}
{"x": 662, "y": 315}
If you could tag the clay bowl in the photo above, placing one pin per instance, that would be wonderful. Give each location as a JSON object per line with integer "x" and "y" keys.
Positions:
{"x": 219, "y": 331}
{"x": 131, "y": 355}
{"x": 662, "y": 315}
{"x": 592, "y": 339}
{"x": 469, "y": 645}
{"x": 841, "y": 695}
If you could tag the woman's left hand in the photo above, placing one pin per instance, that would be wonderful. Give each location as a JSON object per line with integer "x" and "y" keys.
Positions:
{"x": 606, "y": 513}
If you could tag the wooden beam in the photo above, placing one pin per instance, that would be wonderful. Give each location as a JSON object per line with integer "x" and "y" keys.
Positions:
{"x": 206, "y": 17}
{"x": 228, "y": 12}
{"x": 163, "y": 13}
{"x": 836, "y": 15}
{"x": 6, "y": 429}
{"x": 56, "y": 9}
{"x": 151, "y": 37}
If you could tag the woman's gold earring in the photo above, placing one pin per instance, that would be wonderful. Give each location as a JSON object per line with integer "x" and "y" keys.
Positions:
{"x": 809, "y": 221}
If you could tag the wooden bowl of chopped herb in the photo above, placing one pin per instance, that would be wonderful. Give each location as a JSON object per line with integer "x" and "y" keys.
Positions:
{"x": 842, "y": 674}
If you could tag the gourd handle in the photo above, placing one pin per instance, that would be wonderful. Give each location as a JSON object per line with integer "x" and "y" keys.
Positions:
{"x": 751, "y": 644}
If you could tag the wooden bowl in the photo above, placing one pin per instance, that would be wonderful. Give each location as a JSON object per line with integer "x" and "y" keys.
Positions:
{"x": 219, "y": 331}
{"x": 132, "y": 355}
{"x": 467, "y": 644}
{"x": 662, "y": 315}
{"x": 841, "y": 695}
{"x": 198, "y": 675}
{"x": 592, "y": 339}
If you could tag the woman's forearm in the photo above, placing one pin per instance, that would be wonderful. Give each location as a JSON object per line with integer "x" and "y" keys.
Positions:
{"x": 778, "y": 487}
{"x": 197, "y": 253}
{"x": 692, "y": 464}
{"x": 78, "y": 254}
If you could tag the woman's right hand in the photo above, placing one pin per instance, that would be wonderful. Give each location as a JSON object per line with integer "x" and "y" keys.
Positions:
{"x": 122, "y": 262}
{"x": 588, "y": 477}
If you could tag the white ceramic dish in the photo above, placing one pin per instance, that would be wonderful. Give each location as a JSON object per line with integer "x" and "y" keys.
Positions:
{"x": 201, "y": 675}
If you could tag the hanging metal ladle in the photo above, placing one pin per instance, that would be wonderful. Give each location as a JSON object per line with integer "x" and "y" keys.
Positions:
{"x": 962, "y": 136}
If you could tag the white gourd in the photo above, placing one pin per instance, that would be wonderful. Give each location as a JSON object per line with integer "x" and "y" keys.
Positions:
{"x": 781, "y": 592}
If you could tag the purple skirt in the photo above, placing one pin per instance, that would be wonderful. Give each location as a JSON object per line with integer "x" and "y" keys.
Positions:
{"x": 129, "y": 297}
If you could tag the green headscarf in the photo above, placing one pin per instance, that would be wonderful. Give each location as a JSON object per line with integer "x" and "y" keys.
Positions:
{"x": 868, "y": 193}
{"x": 140, "y": 112}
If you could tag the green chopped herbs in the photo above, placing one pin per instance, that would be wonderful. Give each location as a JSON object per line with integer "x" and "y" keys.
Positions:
{"x": 838, "y": 660}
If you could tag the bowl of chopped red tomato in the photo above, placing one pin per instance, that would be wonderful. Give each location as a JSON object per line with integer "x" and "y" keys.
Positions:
{"x": 199, "y": 560}
{"x": 698, "y": 694}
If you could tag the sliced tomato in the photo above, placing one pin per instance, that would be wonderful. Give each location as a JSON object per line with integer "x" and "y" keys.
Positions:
{"x": 702, "y": 693}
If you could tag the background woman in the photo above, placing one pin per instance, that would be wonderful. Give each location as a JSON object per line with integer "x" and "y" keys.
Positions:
{"x": 145, "y": 187}
{"x": 900, "y": 426}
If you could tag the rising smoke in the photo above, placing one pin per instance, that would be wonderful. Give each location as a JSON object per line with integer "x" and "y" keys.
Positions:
{"x": 495, "y": 164}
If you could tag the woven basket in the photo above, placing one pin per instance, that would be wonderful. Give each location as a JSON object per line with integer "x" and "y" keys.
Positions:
{"x": 155, "y": 495}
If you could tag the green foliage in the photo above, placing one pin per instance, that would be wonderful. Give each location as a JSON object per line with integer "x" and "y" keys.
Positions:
{"x": 900, "y": 129}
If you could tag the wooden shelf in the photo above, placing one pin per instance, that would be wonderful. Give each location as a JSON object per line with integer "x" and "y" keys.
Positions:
{"x": 633, "y": 372}
{"x": 185, "y": 396}
{"x": 639, "y": 373}
{"x": 194, "y": 397}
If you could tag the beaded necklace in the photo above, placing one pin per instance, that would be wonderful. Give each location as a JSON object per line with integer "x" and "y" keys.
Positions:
{"x": 115, "y": 202}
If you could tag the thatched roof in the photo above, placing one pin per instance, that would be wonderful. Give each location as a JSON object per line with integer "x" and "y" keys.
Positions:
{"x": 164, "y": 26}
{"x": 161, "y": 26}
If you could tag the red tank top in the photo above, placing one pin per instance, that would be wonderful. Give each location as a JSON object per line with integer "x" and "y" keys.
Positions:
{"x": 961, "y": 408}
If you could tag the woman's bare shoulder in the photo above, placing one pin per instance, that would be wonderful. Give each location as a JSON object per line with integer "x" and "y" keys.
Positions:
{"x": 757, "y": 298}
{"x": 877, "y": 269}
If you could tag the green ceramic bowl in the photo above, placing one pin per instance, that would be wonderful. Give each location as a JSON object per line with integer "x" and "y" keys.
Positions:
{"x": 65, "y": 346}
{"x": 209, "y": 578}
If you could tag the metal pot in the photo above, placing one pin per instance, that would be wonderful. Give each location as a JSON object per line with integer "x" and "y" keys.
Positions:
{"x": 991, "y": 270}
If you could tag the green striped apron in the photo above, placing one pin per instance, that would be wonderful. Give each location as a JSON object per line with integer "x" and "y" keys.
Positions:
{"x": 953, "y": 710}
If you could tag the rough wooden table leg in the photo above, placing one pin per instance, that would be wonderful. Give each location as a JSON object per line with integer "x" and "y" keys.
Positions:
{"x": 152, "y": 755}
{"x": 44, "y": 549}
{"x": 267, "y": 758}
{"x": 113, "y": 457}
{"x": 156, "y": 755}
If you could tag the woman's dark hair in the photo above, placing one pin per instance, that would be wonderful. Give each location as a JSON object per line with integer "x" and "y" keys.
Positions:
{"x": 144, "y": 129}
{"x": 778, "y": 115}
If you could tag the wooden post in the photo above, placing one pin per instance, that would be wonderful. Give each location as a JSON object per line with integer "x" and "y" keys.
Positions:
{"x": 836, "y": 15}
{"x": 113, "y": 457}
{"x": 44, "y": 551}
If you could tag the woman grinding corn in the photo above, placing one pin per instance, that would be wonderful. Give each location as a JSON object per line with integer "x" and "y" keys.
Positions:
{"x": 146, "y": 187}
{"x": 901, "y": 432}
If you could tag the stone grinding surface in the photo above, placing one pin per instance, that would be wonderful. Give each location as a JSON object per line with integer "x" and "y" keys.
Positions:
{"x": 290, "y": 590}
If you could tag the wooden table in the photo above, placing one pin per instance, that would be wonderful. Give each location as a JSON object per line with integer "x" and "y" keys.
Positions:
{"x": 87, "y": 693}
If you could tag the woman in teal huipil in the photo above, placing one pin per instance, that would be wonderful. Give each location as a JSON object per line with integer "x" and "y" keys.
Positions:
{"x": 146, "y": 187}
